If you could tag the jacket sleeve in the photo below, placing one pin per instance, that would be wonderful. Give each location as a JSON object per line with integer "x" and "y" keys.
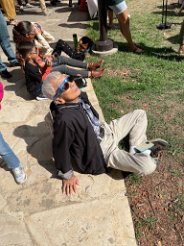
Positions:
{"x": 62, "y": 141}
{"x": 44, "y": 44}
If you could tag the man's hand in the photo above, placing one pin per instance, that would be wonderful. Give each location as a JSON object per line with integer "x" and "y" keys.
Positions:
{"x": 69, "y": 185}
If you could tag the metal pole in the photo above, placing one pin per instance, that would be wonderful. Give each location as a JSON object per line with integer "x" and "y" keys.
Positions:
{"x": 164, "y": 24}
{"x": 103, "y": 44}
{"x": 166, "y": 13}
{"x": 163, "y": 6}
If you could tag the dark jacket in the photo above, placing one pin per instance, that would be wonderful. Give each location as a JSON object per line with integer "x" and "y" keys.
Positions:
{"x": 33, "y": 78}
{"x": 75, "y": 145}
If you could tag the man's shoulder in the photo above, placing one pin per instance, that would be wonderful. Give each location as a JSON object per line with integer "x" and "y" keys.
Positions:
{"x": 64, "y": 112}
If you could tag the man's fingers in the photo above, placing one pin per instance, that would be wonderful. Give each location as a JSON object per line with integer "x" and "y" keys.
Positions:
{"x": 68, "y": 190}
{"x": 63, "y": 188}
{"x": 74, "y": 188}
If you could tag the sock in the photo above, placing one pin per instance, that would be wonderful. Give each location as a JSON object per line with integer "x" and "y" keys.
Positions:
{"x": 133, "y": 151}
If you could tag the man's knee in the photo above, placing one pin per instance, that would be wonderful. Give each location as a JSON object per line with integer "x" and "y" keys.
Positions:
{"x": 140, "y": 112}
{"x": 148, "y": 168}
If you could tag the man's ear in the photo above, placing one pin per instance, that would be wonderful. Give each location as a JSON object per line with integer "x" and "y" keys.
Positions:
{"x": 60, "y": 100}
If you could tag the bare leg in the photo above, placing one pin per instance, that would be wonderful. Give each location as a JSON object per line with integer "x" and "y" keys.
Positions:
{"x": 181, "y": 40}
{"x": 123, "y": 20}
{"x": 43, "y": 7}
{"x": 110, "y": 17}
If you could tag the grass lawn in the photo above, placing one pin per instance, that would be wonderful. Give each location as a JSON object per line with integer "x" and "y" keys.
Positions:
{"x": 153, "y": 81}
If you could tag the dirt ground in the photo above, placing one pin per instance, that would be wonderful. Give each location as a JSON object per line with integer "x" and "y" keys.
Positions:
{"x": 157, "y": 209}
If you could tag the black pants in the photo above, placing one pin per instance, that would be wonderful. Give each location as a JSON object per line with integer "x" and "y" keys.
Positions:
{"x": 63, "y": 46}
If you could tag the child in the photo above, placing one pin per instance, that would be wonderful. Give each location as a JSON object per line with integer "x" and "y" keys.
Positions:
{"x": 37, "y": 67}
{"x": 32, "y": 31}
{"x": 8, "y": 156}
{"x": 85, "y": 45}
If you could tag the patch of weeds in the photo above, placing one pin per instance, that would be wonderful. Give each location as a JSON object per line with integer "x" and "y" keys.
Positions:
{"x": 176, "y": 146}
{"x": 138, "y": 230}
{"x": 134, "y": 179}
{"x": 178, "y": 119}
{"x": 175, "y": 173}
{"x": 149, "y": 221}
{"x": 145, "y": 222}
{"x": 176, "y": 207}
{"x": 178, "y": 204}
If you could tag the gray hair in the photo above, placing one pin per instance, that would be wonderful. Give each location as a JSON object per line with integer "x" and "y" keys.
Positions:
{"x": 47, "y": 87}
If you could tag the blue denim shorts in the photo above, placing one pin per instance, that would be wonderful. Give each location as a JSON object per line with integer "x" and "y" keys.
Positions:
{"x": 119, "y": 8}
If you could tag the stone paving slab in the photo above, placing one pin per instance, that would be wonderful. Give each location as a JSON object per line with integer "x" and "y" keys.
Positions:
{"x": 13, "y": 231}
{"x": 37, "y": 213}
{"x": 66, "y": 226}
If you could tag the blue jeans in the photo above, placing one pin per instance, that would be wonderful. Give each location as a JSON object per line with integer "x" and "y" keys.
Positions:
{"x": 5, "y": 43}
{"x": 8, "y": 155}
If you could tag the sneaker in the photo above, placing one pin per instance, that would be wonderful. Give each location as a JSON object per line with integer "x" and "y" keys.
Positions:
{"x": 29, "y": 6}
{"x": 41, "y": 97}
{"x": 5, "y": 74}
{"x": 19, "y": 175}
{"x": 158, "y": 147}
{"x": 14, "y": 64}
{"x": 21, "y": 8}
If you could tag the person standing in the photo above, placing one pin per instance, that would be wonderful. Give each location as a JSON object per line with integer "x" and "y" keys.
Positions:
{"x": 24, "y": 4}
{"x": 8, "y": 156}
{"x": 119, "y": 7}
{"x": 6, "y": 46}
{"x": 8, "y": 7}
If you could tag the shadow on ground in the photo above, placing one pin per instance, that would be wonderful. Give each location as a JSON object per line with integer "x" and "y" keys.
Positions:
{"x": 76, "y": 15}
{"x": 18, "y": 85}
{"x": 39, "y": 144}
{"x": 160, "y": 53}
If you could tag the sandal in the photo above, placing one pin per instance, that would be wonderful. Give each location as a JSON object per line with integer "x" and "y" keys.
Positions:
{"x": 93, "y": 66}
{"x": 137, "y": 50}
{"x": 181, "y": 50}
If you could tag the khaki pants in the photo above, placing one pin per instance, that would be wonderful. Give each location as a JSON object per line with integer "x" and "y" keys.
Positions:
{"x": 9, "y": 8}
{"x": 133, "y": 124}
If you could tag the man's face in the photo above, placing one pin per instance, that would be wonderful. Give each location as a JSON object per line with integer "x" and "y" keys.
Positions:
{"x": 67, "y": 89}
